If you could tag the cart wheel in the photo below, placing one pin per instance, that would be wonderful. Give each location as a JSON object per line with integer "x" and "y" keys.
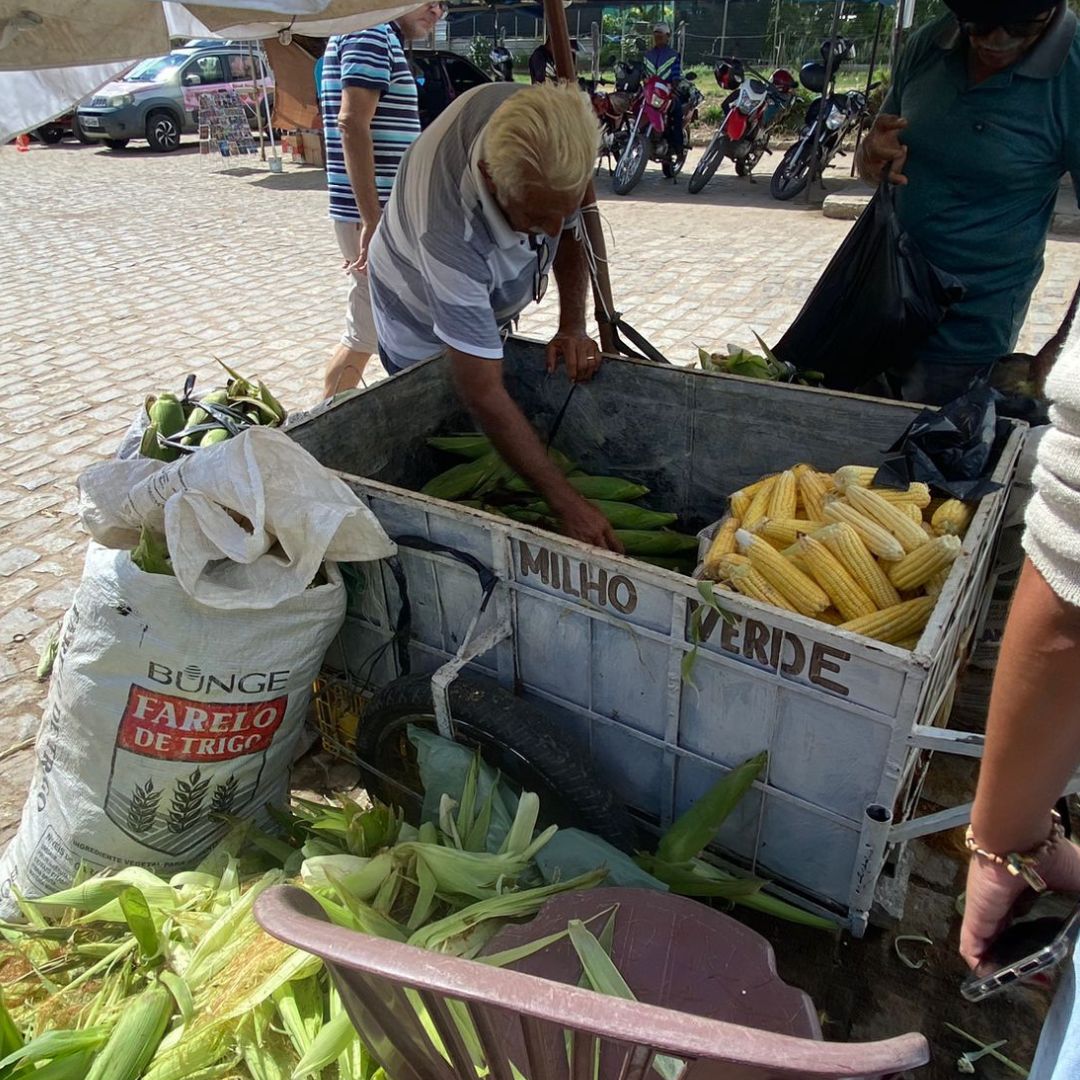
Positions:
{"x": 511, "y": 736}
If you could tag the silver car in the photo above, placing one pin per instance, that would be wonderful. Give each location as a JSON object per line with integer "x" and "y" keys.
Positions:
{"x": 158, "y": 99}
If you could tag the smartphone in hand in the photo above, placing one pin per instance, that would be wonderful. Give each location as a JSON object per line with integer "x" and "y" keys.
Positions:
{"x": 1028, "y": 947}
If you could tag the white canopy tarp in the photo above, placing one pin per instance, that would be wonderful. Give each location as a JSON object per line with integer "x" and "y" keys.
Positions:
{"x": 53, "y": 53}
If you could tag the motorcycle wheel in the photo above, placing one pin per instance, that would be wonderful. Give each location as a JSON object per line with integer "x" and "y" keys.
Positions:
{"x": 673, "y": 164}
{"x": 631, "y": 167}
{"x": 792, "y": 174}
{"x": 709, "y": 163}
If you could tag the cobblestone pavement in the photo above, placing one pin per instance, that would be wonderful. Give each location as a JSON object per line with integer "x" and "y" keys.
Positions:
{"x": 122, "y": 272}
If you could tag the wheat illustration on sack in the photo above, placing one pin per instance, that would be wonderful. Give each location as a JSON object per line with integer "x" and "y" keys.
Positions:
{"x": 172, "y": 810}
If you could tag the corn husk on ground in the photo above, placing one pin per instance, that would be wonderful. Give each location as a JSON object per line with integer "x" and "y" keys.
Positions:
{"x": 834, "y": 547}
{"x": 128, "y": 975}
{"x": 485, "y": 482}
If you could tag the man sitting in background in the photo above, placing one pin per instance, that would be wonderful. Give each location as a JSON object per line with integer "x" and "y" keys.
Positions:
{"x": 665, "y": 63}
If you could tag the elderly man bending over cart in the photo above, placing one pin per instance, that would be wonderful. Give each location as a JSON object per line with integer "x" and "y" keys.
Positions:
{"x": 471, "y": 231}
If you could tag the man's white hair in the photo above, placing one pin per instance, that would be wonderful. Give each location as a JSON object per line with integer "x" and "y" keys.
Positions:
{"x": 545, "y": 136}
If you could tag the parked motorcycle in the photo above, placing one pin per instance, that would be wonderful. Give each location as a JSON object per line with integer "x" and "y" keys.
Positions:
{"x": 502, "y": 63}
{"x": 813, "y": 151}
{"x": 751, "y": 114}
{"x": 647, "y": 138}
{"x": 614, "y": 110}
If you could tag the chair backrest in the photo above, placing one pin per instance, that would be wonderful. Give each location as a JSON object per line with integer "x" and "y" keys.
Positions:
{"x": 386, "y": 986}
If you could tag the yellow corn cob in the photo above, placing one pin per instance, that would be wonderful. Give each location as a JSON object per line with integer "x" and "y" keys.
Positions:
{"x": 783, "y": 498}
{"x": 910, "y": 509}
{"x": 812, "y": 491}
{"x": 851, "y": 601}
{"x": 936, "y": 583}
{"x": 896, "y": 623}
{"x": 854, "y": 475}
{"x": 846, "y": 544}
{"x": 922, "y": 564}
{"x": 740, "y": 500}
{"x": 909, "y": 643}
{"x": 831, "y": 616}
{"x": 916, "y": 493}
{"x": 879, "y": 540}
{"x": 759, "y": 503}
{"x": 928, "y": 529}
{"x": 800, "y": 589}
{"x": 952, "y": 518}
{"x": 750, "y": 583}
{"x": 723, "y": 542}
{"x": 888, "y": 516}
{"x": 783, "y": 533}
{"x": 720, "y": 569}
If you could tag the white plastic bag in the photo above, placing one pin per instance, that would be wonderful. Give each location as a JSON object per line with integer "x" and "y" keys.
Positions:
{"x": 163, "y": 713}
{"x": 299, "y": 514}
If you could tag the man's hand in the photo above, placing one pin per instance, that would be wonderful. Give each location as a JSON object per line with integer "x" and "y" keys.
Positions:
{"x": 882, "y": 146}
{"x": 581, "y": 520}
{"x": 579, "y": 353}
{"x": 992, "y": 893}
{"x": 360, "y": 263}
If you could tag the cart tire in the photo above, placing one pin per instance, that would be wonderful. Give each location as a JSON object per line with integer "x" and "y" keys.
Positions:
{"x": 116, "y": 144}
{"x": 511, "y": 735}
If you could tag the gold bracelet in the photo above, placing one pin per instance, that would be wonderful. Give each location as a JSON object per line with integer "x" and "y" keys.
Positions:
{"x": 1021, "y": 864}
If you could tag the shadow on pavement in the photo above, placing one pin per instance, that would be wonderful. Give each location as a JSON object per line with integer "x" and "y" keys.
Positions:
{"x": 310, "y": 178}
{"x": 724, "y": 189}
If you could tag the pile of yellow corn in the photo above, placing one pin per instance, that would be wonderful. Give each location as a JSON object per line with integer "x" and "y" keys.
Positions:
{"x": 871, "y": 560}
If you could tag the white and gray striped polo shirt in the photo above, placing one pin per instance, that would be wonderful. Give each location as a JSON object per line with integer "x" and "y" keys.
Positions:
{"x": 446, "y": 268}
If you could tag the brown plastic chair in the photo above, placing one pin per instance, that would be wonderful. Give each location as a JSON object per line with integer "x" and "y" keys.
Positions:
{"x": 746, "y": 1024}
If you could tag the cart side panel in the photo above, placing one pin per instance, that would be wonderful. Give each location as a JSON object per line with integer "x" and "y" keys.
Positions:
{"x": 380, "y": 432}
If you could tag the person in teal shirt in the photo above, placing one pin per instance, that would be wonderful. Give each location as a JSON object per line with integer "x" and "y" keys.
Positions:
{"x": 980, "y": 124}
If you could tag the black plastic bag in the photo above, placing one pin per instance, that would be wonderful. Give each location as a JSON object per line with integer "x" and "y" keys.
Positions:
{"x": 953, "y": 449}
{"x": 877, "y": 300}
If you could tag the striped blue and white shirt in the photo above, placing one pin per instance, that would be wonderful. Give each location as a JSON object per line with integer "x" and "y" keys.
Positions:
{"x": 374, "y": 60}
{"x": 446, "y": 267}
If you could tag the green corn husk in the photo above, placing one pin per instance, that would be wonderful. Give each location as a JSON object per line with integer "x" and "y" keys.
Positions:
{"x": 135, "y": 1038}
{"x": 695, "y": 828}
{"x": 200, "y": 416}
{"x": 661, "y": 542}
{"x": 609, "y": 488}
{"x": 466, "y": 446}
{"x": 214, "y": 436}
{"x": 149, "y": 447}
{"x": 151, "y": 554}
{"x": 622, "y": 515}
{"x": 166, "y": 413}
{"x": 54, "y": 1045}
{"x": 462, "y": 480}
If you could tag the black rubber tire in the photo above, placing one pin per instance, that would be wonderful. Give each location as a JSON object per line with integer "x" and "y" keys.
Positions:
{"x": 512, "y": 737}
{"x": 625, "y": 180}
{"x": 50, "y": 134}
{"x": 709, "y": 163}
{"x": 163, "y": 131}
{"x": 792, "y": 174}
{"x": 115, "y": 144}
